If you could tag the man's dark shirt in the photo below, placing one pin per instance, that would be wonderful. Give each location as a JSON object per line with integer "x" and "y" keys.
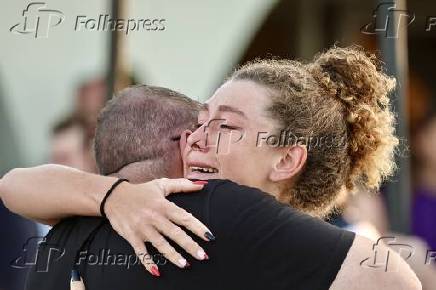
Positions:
{"x": 260, "y": 244}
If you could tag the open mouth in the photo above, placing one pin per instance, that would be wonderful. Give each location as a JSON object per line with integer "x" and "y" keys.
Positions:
{"x": 203, "y": 169}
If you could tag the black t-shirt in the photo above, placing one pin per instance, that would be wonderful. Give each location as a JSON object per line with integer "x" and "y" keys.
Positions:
{"x": 260, "y": 244}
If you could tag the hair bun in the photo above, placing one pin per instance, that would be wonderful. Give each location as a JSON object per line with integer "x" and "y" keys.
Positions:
{"x": 353, "y": 76}
{"x": 356, "y": 80}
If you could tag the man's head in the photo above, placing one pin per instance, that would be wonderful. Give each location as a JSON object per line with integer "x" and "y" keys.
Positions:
{"x": 138, "y": 133}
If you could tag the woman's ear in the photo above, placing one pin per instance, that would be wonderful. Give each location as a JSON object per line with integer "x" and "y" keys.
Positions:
{"x": 290, "y": 163}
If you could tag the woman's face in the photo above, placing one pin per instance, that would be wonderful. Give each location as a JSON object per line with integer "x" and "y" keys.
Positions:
{"x": 230, "y": 140}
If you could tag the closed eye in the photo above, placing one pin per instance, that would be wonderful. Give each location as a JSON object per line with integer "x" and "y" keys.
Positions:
{"x": 223, "y": 126}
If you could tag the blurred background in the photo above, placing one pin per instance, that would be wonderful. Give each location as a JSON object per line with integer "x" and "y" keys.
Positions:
{"x": 55, "y": 77}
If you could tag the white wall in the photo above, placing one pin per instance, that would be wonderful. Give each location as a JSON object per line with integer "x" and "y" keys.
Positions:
{"x": 38, "y": 76}
{"x": 201, "y": 43}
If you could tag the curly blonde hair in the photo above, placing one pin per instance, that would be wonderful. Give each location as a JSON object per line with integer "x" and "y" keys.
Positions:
{"x": 343, "y": 93}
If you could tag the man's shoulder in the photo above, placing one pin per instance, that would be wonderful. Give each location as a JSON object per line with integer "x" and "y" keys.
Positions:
{"x": 85, "y": 222}
{"x": 72, "y": 231}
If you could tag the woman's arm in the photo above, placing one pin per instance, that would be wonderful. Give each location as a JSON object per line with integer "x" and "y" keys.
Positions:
{"x": 356, "y": 275}
{"x": 138, "y": 212}
{"x": 51, "y": 192}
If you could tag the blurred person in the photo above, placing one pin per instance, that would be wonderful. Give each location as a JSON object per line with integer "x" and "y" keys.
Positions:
{"x": 341, "y": 93}
{"x": 90, "y": 97}
{"x": 14, "y": 231}
{"x": 362, "y": 212}
{"x": 89, "y": 100}
{"x": 70, "y": 145}
{"x": 424, "y": 200}
{"x": 365, "y": 214}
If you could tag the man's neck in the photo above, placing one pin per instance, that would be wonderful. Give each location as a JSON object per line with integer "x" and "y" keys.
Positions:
{"x": 135, "y": 178}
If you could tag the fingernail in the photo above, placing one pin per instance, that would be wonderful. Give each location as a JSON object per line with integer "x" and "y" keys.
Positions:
{"x": 209, "y": 236}
{"x": 155, "y": 271}
{"x": 75, "y": 276}
{"x": 183, "y": 262}
{"x": 202, "y": 255}
{"x": 187, "y": 265}
{"x": 200, "y": 182}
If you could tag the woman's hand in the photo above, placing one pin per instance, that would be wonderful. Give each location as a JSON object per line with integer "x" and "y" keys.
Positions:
{"x": 140, "y": 213}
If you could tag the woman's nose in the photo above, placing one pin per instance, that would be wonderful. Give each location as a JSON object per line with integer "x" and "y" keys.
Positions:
{"x": 197, "y": 139}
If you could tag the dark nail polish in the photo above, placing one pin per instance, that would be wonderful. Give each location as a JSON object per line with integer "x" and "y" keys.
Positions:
{"x": 209, "y": 236}
{"x": 75, "y": 276}
{"x": 155, "y": 271}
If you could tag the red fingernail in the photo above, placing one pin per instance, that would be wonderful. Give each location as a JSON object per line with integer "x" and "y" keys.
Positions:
{"x": 206, "y": 257}
{"x": 200, "y": 182}
{"x": 155, "y": 271}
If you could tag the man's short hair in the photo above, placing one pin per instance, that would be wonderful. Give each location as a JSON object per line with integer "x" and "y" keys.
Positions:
{"x": 142, "y": 123}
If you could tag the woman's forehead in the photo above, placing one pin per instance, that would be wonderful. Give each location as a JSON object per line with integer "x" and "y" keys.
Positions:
{"x": 245, "y": 96}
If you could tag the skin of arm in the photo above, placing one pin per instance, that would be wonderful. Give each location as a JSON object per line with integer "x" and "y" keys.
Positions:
{"x": 354, "y": 276}
{"x": 21, "y": 188}
{"x": 50, "y": 192}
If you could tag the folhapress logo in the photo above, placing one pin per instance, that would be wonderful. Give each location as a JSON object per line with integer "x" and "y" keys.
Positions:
{"x": 38, "y": 20}
{"x": 382, "y": 260}
{"x": 387, "y": 19}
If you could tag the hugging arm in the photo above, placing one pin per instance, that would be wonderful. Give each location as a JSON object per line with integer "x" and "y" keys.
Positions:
{"x": 138, "y": 212}
{"x": 50, "y": 192}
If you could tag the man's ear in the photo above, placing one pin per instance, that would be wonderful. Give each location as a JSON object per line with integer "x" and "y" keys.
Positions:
{"x": 290, "y": 163}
